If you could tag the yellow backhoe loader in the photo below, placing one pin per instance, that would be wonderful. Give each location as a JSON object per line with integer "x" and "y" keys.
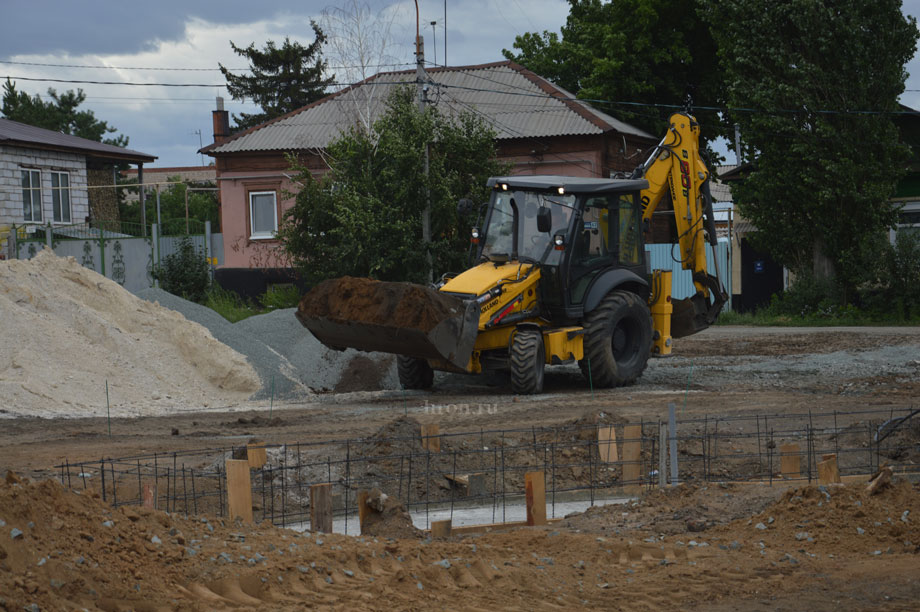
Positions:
{"x": 562, "y": 276}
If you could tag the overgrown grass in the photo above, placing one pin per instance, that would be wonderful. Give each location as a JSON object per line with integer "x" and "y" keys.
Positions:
{"x": 230, "y": 306}
{"x": 849, "y": 317}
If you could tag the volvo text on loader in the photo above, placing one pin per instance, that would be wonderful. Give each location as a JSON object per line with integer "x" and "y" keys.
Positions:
{"x": 562, "y": 276}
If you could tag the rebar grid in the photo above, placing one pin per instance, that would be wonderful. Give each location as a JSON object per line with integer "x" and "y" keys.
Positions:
{"x": 711, "y": 448}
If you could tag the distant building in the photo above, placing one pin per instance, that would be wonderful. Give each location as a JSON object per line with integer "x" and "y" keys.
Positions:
{"x": 196, "y": 175}
{"x": 541, "y": 129}
{"x": 50, "y": 177}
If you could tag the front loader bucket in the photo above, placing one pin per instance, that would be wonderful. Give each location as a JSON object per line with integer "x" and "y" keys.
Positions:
{"x": 399, "y": 318}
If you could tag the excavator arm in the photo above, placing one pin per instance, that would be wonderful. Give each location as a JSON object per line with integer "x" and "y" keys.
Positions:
{"x": 675, "y": 170}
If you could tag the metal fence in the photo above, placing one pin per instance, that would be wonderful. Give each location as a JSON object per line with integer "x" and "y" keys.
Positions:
{"x": 485, "y": 469}
{"x": 667, "y": 257}
{"x": 124, "y": 252}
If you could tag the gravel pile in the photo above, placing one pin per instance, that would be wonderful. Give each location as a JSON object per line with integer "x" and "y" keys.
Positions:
{"x": 278, "y": 347}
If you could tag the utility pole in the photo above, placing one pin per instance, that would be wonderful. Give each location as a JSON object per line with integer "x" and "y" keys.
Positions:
{"x": 737, "y": 144}
{"x": 422, "y": 82}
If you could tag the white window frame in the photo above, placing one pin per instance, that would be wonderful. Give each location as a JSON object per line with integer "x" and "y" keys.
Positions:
{"x": 33, "y": 189}
{"x": 263, "y": 235}
{"x": 904, "y": 206}
{"x": 60, "y": 193}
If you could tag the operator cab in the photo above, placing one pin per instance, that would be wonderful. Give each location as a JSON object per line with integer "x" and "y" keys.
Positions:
{"x": 589, "y": 226}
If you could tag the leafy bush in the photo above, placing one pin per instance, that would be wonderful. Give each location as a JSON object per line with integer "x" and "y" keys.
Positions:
{"x": 808, "y": 296}
{"x": 185, "y": 273}
{"x": 896, "y": 290}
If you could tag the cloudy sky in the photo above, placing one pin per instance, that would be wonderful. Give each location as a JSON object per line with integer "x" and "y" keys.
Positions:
{"x": 108, "y": 40}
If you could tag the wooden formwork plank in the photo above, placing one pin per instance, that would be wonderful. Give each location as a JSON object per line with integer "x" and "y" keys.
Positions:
{"x": 255, "y": 454}
{"x": 828, "y": 473}
{"x": 440, "y": 529}
{"x": 607, "y": 444}
{"x": 321, "y": 508}
{"x": 632, "y": 455}
{"x": 790, "y": 460}
{"x": 431, "y": 437}
{"x": 535, "y": 495}
{"x": 239, "y": 490}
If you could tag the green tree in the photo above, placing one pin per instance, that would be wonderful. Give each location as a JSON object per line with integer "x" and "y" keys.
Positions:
{"x": 202, "y": 206}
{"x": 282, "y": 80}
{"x": 651, "y": 54}
{"x": 364, "y": 217}
{"x": 59, "y": 114}
{"x": 823, "y": 94}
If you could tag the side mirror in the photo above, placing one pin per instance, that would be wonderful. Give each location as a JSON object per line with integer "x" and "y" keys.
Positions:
{"x": 464, "y": 206}
{"x": 544, "y": 220}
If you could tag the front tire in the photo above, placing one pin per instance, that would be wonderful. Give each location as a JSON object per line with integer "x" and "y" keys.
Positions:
{"x": 414, "y": 373}
{"x": 528, "y": 362}
{"x": 618, "y": 340}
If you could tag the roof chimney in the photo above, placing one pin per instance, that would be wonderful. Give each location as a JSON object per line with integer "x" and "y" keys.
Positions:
{"x": 221, "y": 120}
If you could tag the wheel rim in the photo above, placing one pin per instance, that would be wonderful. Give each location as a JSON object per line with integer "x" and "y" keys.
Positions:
{"x": 624, "y": 340}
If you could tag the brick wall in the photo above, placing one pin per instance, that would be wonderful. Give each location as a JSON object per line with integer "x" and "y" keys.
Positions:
{"x": 103, "y": 201}
{"x": 15, "y": 159}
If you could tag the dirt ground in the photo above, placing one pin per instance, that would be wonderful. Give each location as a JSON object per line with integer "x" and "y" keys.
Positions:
{"x": 696, "y": 547}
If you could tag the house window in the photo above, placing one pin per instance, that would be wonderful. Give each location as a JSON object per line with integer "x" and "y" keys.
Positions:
{"x": 263, "y": 214}
{"x": 908, "y": 218}
{"x": 31, "y": 195}
{"x": 60, "y": 196}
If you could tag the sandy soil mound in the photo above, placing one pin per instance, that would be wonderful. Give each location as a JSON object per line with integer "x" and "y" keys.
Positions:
{"x": 64, "y": 551}
{"x": 67, "y": 330}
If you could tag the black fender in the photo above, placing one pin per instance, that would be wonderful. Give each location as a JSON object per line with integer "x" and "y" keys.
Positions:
{"x": 527, "y": 325}
{"x": 609, "y": 280}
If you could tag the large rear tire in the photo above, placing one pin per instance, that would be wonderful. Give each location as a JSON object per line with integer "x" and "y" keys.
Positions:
{"x": 618, "y": 340}
{"x": 528, "y": 361}
{"x": 414, "y": 373}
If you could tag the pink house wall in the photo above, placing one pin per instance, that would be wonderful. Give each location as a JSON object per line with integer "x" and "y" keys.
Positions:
{"x": 240, "y": 249}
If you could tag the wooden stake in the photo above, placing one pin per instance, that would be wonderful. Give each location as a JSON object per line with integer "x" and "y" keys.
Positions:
{"x": 321, "y": 508}
{"x": 431, "y": 437}
{"x": 535, "y": 488}
{"x": 632, "y": 451}
{"x": 790, "y": 460}
{"x": 440, "y": 529}
{"x": 363, "y": 510}
{"x": 828, "y": 473}
{"x": 607, "y": 444}
{"x": 239, "y": 490}
{"x": 148, "y": 496}
{"x": 255, "y": 453}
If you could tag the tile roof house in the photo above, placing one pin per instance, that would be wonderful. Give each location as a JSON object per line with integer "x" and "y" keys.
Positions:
{"x": 47, "y": 177}
{"x": 540, "y": 129}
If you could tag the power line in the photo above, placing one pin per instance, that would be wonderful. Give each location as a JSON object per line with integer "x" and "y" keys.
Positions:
{"x": 119, "y": 67}
{"x": 172, "y": 69}
{"x": 81, "y": 82}
{"x": 560, "y": 98}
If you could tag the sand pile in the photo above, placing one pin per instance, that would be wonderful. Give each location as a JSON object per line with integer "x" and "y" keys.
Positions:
{"x": 67, "y": 330}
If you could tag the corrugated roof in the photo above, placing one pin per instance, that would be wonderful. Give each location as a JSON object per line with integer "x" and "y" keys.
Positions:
{"x": 21, "y": 134}
{"x": 720, "y": 192}
{"x": 516, "y": 102}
